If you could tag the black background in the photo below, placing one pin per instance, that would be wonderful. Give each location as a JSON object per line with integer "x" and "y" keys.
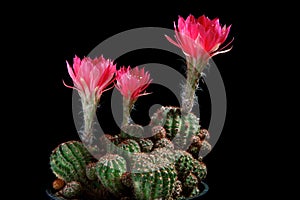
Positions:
{"x": 55, "y": 33}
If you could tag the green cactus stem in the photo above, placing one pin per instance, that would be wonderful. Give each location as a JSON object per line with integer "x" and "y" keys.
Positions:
{"x": 180, "y": 128}
{"x": 184, "y": 163}
{"x": 189, "y": 183}
{"x": 152, "y": 180}
{"x": 199, "y": 169}
{"x": 69, "y": 160}
{"x": 130, "y": 145}
{"x": 109, "y": 170}
{"x": 127, "y": 147}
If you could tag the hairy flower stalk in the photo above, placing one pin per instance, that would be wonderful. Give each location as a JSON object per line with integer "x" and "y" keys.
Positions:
{"x": 199, "y": 39}
{"x": 131, "y": 83}
{"x": 91, "y": 77}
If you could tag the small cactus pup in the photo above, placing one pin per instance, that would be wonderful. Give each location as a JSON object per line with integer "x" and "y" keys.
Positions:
{"x": 199, "y": 145}
{"x": 158, "y": 132}
{"x": 109, "y": 170}
{"x": 131, "y": 82}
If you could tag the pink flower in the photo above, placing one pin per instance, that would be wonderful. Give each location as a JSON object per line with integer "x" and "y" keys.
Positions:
{"x": 91, "y": 77}
{"x": 132, "y": 82}
{"x": 200, "y": 38}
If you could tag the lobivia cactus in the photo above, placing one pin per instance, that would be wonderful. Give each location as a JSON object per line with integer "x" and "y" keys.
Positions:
{"x": 152, "y": 178}
{"x": 130, "y": 145}
{"x": 69, "y": 160}
{"x": 109, "y": 170}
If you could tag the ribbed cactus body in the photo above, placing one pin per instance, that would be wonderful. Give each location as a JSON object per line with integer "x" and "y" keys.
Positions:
{"x": 169, "y": 118}
{"x": 189, "y": 183}
{"x": 151, "y": 180}
{"x": 199, "y": 169}
{"x": 69, "y": 160}
{"x": 180, "y": 128}
{"x": 130, "y": 145}
{"x": 184, "y": 163}
{"x": 109, "y": 170}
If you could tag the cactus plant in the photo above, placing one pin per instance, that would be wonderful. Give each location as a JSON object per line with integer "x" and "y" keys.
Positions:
{"x": 167, "y": 165}
{"x": 69, "y": 160}
{"x": 130, "y": 145}
{"x": 109, "y": 170}
{"x": 151, "y": 178}
{"x": 184, "y": 163}
{"x": 199, "y": 169}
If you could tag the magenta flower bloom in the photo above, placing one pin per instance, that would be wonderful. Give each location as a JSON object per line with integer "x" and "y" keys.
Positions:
{"x": 91, "y": 77}
{"x": 200, "y": 38}
{"x": 132, "y": 82}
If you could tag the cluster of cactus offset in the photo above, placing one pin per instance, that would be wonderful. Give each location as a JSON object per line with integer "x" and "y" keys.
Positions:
{"x": 166, "y": 165}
